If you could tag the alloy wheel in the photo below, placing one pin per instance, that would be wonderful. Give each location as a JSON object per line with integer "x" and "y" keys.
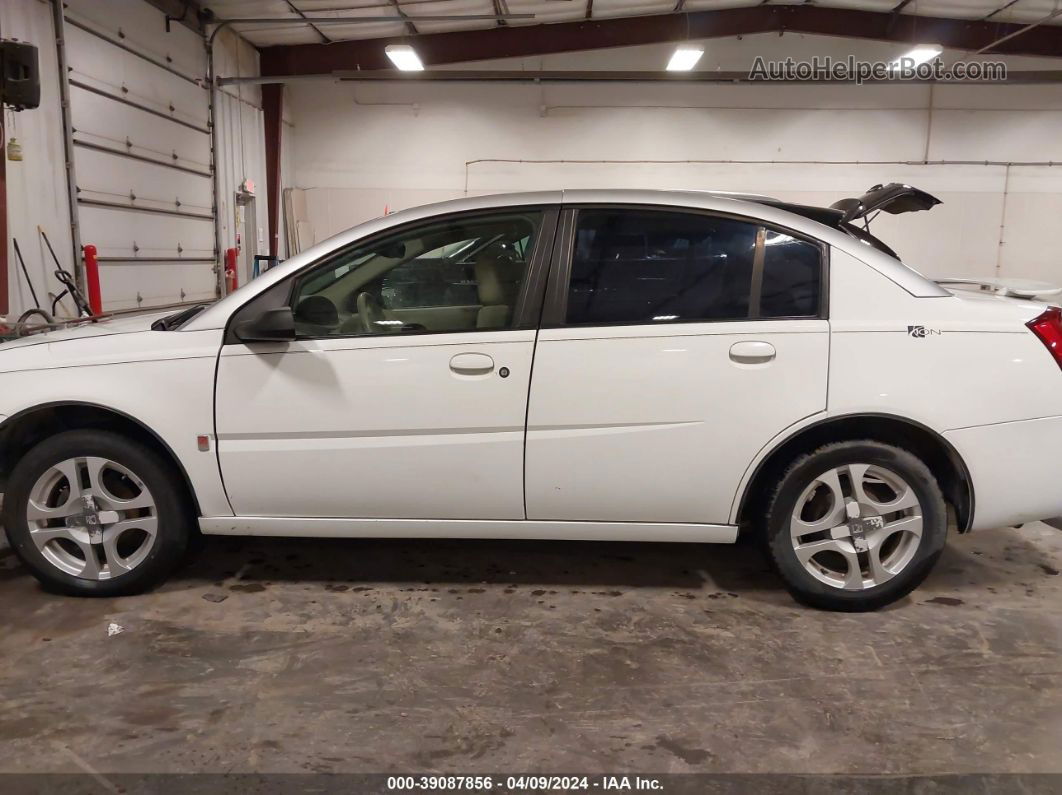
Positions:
{"x": 92, "y": 518}
{"x": 856, "y": 526}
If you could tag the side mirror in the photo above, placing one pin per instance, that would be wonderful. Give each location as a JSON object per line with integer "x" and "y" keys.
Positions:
{"x": 273, "y": 325}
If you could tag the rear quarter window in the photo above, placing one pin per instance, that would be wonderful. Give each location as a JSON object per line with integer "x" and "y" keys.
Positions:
{"x": 792, "y": 274}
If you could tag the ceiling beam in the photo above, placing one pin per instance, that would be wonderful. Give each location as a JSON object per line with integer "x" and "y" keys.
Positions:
{"x": 1002, "y": 8}
{"x": 500, "y": 9}
{"x": 411, "y": 28}
{"x": 994, "y": 45}
{"x": 473, "y": 45}
{"x": 295, "y": 9}
{"x": 895, "y": 13}
{"x": 1014, "y": 77}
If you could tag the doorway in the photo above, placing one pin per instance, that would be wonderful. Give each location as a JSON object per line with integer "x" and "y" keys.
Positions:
{"x": 246, "y": 235}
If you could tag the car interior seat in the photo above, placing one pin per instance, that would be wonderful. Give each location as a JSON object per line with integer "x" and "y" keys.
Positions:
{"x": 498, "y": 277}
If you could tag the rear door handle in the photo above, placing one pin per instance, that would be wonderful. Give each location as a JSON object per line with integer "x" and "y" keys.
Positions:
{"x": 471, "y": 364}
{"x": 752, "y": 352}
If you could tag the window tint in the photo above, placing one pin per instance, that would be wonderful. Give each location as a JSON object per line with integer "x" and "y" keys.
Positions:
{"x": 791, "y": 274}
{"x": 635, "y": 266}
{"x": 462, "y": 274}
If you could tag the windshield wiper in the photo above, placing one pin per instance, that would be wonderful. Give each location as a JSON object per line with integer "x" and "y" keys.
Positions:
{"x": 171, "y": 322}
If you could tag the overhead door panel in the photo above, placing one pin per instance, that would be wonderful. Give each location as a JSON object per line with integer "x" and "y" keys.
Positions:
{"x": 140, "y": 119}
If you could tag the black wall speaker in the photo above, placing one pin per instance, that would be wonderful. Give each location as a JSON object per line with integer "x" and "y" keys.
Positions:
{"x": 20, "y": 78}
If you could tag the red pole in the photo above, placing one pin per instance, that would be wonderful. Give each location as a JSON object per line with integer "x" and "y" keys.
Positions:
{"x": 231, "y": 278}
{"x": 92, "y": 279}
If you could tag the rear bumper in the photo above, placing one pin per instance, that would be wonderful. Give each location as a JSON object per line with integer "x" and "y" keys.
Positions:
{"x": 1014, "y": 467}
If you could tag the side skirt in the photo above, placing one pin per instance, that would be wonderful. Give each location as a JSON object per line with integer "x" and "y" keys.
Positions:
{"x": 460, "y": 528}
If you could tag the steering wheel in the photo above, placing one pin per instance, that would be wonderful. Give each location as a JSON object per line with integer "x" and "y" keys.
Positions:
{"x": 369, "y": 312}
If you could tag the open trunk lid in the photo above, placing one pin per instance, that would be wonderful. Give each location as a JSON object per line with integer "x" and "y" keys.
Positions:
{"x": 893, "y": 198}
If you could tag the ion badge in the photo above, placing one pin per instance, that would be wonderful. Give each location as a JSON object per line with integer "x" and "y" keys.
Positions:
{"x": 921, "y": 332}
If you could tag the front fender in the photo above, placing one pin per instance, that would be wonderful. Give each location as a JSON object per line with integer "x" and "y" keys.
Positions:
{"x": 163, "y": 381}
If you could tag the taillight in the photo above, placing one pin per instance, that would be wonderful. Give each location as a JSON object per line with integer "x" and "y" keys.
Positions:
{"x": 1048, "y": 327}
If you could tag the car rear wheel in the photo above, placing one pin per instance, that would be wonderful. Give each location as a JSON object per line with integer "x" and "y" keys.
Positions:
{"x": 855, "y": 526}
{"x": 92, "y": 513}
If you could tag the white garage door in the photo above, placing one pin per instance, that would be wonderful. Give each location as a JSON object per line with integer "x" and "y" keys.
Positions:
{"x": 140, "y": 114}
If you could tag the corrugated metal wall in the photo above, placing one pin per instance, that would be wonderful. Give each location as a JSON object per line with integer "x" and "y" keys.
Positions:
{"x": 140, "y": 113}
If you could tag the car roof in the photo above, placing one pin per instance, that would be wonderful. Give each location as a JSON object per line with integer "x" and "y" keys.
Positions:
{"x": 753, "y": 206}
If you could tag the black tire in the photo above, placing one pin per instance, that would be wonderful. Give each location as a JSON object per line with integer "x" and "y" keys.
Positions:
{"x": 806, "y": 588}
{"x": 175, "y": 522}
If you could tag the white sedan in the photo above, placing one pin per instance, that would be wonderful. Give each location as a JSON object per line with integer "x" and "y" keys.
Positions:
{"x": 622, "y": 365}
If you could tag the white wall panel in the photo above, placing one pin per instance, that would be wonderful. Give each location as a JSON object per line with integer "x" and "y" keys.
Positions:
{"x": 101, "y": 120}
{"x": 153, "y": 186}
{"x": 149, "y": 108}
{"x": 362, "y": 147}
{"x": 142, "y": 27}
{"x": 131, "y": 286}
{"x": 128, "y": 233}
{"x": 241, "y": 141}
{"x": 1034, "y": 207}
{"x": 36, "y": 186}
{"x": 109, "y": 68}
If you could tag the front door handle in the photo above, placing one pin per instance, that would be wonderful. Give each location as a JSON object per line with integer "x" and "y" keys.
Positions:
{"x": 471, "y": 364}
{"x": 752, "y": 352}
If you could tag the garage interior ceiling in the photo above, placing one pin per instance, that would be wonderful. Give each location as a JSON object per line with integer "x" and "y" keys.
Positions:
{"x": 415, "y": 17}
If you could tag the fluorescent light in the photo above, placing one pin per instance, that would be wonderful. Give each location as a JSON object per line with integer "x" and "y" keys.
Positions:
{"x": 921, "y": 54}
{"x": 685, "y": 58}
{"x": 404, "y": 57}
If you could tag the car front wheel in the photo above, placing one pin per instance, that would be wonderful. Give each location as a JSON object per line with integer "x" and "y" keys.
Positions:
{"x": 92, "y": 513}
{"x": 854, "y": 526}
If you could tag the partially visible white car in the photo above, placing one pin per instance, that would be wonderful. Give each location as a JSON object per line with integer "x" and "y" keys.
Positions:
{"x": 633, "y": 365}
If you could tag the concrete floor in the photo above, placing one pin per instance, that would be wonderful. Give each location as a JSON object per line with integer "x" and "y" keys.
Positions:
{"x": 359, "y": 656}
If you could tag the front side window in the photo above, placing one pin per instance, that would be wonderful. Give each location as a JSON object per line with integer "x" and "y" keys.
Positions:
{"x": 645, "y": 266}
{"x": 458, "y": 274}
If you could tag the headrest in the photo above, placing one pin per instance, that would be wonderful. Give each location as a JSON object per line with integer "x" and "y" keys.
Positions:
{"x": 497, "y": 276}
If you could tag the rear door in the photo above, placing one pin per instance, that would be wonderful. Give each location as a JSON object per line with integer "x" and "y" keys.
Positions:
{"x": 675, "y": 345}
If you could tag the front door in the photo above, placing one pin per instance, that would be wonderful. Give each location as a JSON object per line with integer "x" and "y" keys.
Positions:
{"x": 675, "y": 346}
{"x": 405, "y": 394}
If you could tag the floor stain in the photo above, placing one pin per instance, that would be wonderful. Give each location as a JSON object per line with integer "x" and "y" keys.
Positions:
{"x": 250, "y": 587}
{"x": 691, "y": 756}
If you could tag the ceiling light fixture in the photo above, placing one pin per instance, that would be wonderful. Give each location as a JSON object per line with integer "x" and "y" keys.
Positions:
{"x": 921, "y": 54}
{"x": 404, "y": 57}
{"x": 685, "y": 58}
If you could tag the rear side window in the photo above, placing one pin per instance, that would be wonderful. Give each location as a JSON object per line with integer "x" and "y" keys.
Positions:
{"x": 654, "y": 266}
{"x": 643, "y": 266}
{"x": 792, "y": 269}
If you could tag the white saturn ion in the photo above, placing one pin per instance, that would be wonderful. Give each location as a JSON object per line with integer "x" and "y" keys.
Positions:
{"x": 616, "y": 365}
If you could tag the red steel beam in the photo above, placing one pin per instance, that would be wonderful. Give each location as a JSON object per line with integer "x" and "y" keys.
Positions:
{"x": 436, "y": 49}
{"x": 273, "y": 120}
